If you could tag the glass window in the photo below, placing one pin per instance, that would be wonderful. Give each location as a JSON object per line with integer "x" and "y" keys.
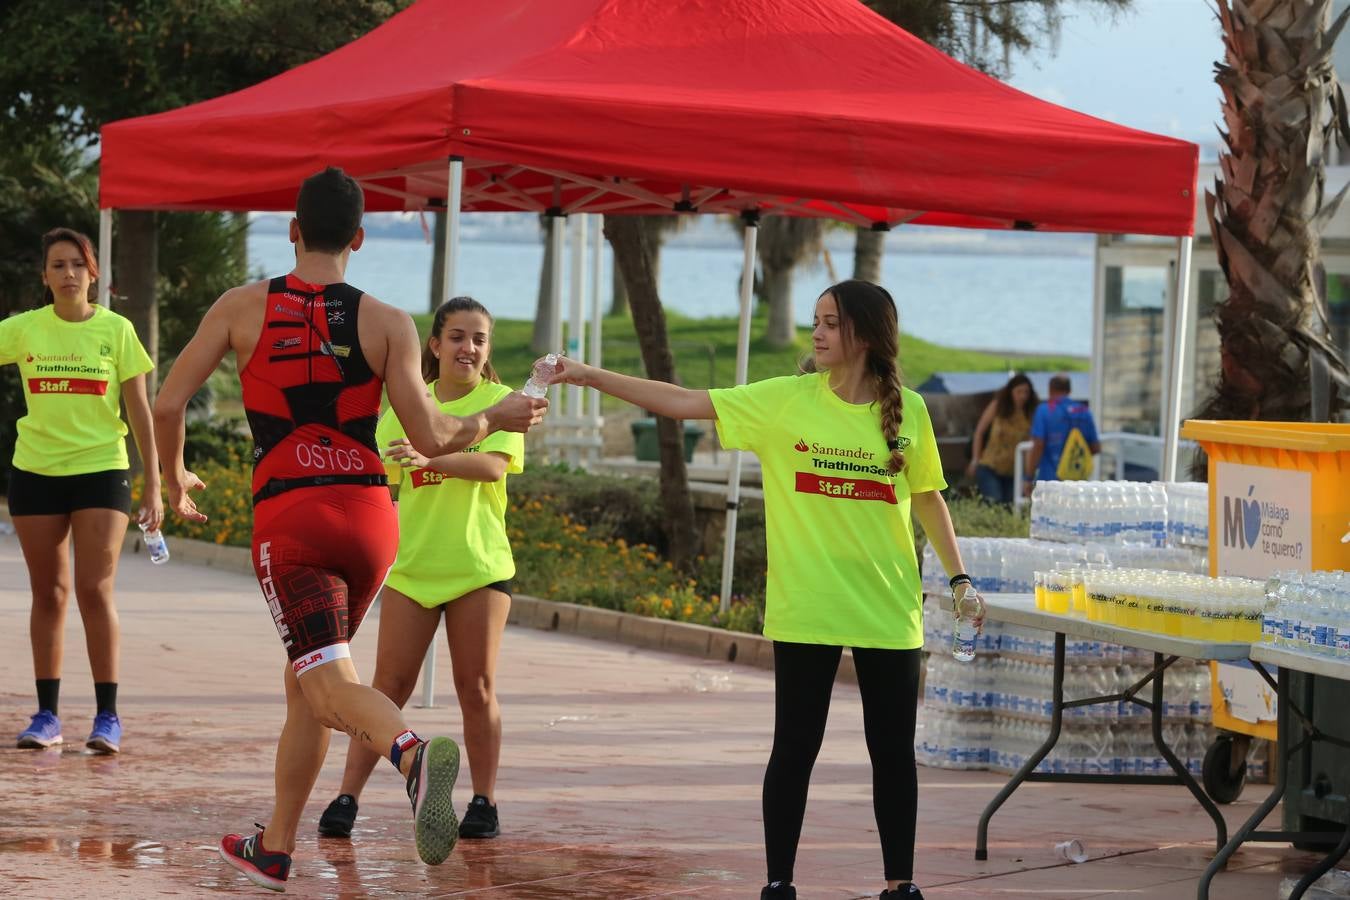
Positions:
{"x": 1134, "y": 351}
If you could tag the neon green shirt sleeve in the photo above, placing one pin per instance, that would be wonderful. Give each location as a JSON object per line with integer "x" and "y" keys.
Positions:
{"x": 923, "y": 463}
{"x": 132, "y": 360}
{"x": 745, "y": 412}
{"x": 9, "y": 341}
{"x": 510, "y": 444}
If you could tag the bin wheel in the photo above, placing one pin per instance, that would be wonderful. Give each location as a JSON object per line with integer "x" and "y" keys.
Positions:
{"x": 1223, "y": 783}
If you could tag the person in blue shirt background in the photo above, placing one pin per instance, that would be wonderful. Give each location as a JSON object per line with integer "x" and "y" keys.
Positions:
{"x": 1055, "y": 419}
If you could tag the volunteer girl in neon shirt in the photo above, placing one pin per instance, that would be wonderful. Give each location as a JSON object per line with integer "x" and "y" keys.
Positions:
{"x": 70, "y": 478}
{"x": 453, "y": 558}
{"x": 847, "y": 454}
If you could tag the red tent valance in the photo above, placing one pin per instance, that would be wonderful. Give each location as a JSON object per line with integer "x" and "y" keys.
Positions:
{"x": 811, "y": 107}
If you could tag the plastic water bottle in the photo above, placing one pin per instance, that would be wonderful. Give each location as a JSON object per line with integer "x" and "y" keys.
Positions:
{"x": 537, "y": 386}
{"x": 965, "y": 607}
{"x": 155, "y": 545}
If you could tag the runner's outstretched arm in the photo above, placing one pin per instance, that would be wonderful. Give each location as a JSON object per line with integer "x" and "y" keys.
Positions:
{"x": 660, "y": 397}
{"x": 190, "y": 371}
{"x": 151, "y": 510}
{"x": 430, "y": 431}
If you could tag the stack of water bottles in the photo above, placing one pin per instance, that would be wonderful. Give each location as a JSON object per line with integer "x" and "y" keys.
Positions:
{"x": 1106, "y": 511}
{"x": 1008, "y": 565}
{"x": 1308, "y": 612}
{"x": 1187, "y": 514}
{"x": 994, "y": 712}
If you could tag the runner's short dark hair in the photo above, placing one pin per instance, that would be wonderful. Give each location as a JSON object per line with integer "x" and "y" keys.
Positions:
{"x": 328, "y": 210}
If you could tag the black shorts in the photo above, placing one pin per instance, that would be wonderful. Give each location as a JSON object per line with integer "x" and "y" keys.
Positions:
{"x": 31, "y": 494}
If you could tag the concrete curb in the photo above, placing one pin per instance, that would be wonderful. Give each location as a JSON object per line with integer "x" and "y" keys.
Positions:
{"x": 684, "y": 638}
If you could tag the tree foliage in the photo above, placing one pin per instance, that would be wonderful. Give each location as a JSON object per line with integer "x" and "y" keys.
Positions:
{"x": 81, "y": 65}
{"x": 986, "y": 34}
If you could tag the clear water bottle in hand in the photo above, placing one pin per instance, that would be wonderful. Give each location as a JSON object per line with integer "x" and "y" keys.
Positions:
{"x": 155, "y": 545}
{"x": 966, "y": 606}
{"x": 537, "y": 386}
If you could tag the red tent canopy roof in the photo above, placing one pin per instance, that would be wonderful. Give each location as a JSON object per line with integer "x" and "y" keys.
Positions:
{"x": 805, "y": 107}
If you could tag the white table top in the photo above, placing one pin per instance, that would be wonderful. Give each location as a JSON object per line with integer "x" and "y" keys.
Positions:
{"x": 1020, "y": 609}
{"x": 1312, "y": 663}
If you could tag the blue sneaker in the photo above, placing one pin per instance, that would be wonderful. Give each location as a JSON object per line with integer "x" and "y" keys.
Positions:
{"x": 107, "y": 734}
{"x": 43, "y": 732}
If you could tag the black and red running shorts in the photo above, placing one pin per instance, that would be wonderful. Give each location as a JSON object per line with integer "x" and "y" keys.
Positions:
{"x": 321, "y": 555}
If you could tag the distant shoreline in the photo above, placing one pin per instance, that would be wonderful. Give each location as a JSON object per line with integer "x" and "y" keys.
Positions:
{"x": 710, "y": 235}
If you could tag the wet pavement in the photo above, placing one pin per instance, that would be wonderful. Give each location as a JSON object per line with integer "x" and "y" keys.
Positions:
{"x": 625, "y": 773}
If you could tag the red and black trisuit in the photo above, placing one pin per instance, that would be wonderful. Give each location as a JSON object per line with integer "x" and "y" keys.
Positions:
{"x": 324, "y": 529}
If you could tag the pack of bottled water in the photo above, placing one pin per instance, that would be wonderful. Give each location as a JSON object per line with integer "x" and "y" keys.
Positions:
{"x": 1024, "y": 688}
{"x": 1104, "y": 511}
{"x": 953, "y": 742}
{"x": 1308, "y": 612}
{"x": 1097, "y": 748}
{"x": 1187, "y": 513}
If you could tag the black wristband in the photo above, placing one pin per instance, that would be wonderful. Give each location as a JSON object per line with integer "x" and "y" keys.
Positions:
{"x": 957, "y": 579}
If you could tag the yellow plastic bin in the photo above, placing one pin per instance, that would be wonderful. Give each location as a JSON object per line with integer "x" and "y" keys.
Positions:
{"x": 1279, "y": 500}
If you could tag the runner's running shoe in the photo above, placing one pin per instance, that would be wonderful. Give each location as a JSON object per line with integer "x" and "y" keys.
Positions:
{"x": 337, "y": 820}
{"x": 107, "y": 734}
{"x": 480, "y": 819}
{"x": 430, "y": 781}
{"x": 263, "y": 867}
{"x": 43, "y": 732}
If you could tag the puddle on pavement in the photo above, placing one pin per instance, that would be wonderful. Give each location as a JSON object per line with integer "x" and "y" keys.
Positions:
{"x": 386, "y": 864}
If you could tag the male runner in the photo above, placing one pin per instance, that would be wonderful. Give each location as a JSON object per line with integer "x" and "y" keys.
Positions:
{"x": 312, "y": 354}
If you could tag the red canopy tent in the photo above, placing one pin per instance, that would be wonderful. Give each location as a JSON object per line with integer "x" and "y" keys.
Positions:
{"x": 816, "y": 107}
{"x": 796, "y": 107}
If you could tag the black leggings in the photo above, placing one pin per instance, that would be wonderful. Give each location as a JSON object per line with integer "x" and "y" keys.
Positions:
{"x": 803, "y": 679}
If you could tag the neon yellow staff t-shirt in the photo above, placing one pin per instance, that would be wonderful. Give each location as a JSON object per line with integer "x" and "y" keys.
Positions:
{"x": 842, "y": 565}
{"x": 452, "y": 531}
{"x": 72, "y": 379}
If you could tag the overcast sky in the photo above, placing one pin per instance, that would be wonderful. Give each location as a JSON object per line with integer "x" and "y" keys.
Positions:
{"x": 1151, "y": 67}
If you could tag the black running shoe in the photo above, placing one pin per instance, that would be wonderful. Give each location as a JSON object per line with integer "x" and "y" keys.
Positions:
{"x": 337, "y": 820}
{"x": 430, "y": 781}
{"x": 908, "y": 892}
{"x": 778, "y": 890}
{"x": 480, "y": 819}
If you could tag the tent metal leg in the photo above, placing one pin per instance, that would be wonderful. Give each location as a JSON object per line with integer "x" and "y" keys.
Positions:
{"x": 742, "y": 372}
{"x": 105, "y": 270}
{"x": 1180, "y": 319}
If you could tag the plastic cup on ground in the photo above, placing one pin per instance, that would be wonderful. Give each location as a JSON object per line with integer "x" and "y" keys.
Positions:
{"x": 1071, "y": 851}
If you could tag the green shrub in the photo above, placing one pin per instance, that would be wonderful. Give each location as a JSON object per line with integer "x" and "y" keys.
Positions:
{"x": 216, "y": 442}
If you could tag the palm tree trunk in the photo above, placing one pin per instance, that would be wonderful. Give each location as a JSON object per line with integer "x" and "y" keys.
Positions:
{"x": 618, "y": 306}
{"x": 868, "y": 248}
{"x": 781, "y": 330}
{"x": 137, "y": 271}
{"x": 633, "y": 256}
{"x": 1282, "y": 110}
{"x": 543, "y": 309}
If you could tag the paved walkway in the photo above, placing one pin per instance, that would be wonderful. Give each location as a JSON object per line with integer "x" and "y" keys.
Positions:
{"x": 625, "y": 774}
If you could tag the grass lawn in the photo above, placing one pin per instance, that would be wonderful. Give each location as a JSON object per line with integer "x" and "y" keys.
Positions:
{"x": 705, "y": 353}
